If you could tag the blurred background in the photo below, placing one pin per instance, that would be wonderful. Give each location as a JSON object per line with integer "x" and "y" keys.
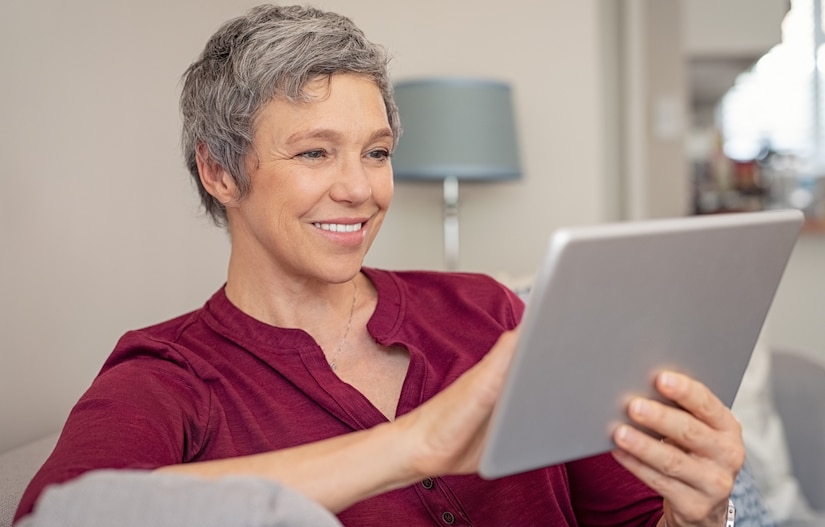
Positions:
{"x": 625, "y": 109}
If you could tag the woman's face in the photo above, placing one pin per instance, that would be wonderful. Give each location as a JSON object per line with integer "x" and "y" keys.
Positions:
{"x": 321, "y": 182}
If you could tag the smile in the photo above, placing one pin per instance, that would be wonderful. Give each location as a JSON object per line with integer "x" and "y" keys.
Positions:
{"x": 339, "y": 227}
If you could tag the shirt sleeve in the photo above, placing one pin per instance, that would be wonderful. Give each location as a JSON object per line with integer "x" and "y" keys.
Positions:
{"x": 605, "y": 493}
{"x": 146, "y": 409}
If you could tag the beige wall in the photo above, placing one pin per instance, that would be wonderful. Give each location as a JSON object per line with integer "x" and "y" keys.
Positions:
{"x": 732, "y": 27}
{"x": 100, "y": 231}
{"x": 654, "y": 110}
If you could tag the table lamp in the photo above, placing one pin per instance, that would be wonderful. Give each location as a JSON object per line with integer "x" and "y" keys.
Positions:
{"x": 455, "y": 129}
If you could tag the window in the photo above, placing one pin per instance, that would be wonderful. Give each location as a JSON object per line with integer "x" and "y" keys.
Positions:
{"x": 773, "y": 120}
{"x": 777, "y": 105}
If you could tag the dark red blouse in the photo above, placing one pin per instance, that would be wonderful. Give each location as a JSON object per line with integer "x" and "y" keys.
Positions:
{"x": 216, "y": 383}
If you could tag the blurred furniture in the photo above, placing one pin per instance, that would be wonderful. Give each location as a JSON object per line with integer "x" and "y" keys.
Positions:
{"x": 799, "y": 392}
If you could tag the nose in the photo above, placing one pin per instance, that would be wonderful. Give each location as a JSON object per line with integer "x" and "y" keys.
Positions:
{"x": 352, "y": 183}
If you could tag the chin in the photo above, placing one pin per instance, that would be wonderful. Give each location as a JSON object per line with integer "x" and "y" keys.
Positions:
{"x": 339, "y": 272}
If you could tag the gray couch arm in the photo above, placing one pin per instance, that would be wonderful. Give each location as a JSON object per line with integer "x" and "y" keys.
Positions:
{"x": 131, "y": 498}
{"x": 17, "y": 468}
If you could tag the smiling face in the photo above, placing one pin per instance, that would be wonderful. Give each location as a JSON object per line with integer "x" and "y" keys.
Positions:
{"x": 321, "y": 184}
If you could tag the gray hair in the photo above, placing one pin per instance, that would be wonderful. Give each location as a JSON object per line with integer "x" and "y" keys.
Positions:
{"x": 272, "y": 51}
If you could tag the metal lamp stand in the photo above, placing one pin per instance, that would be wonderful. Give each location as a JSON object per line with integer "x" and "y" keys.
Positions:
{"x": 451, "y": 243}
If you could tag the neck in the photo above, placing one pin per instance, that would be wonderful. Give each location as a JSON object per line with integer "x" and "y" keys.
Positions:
{"x": 263, "y": 288}
{"x": 289, "y": 301}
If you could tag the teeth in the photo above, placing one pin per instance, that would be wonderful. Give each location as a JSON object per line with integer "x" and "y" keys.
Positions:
{"x": 339, "y": 227}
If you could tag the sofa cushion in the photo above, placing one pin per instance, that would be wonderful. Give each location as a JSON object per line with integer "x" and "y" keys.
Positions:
{"x": 17, "y": 468}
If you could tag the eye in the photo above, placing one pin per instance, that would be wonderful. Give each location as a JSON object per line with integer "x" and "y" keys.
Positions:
{"x": 313, "y": 154}
{"x": 379, "y": 154}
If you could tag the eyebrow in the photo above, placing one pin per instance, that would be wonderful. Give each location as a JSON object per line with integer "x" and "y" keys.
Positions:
{"x": 329, "y": 134}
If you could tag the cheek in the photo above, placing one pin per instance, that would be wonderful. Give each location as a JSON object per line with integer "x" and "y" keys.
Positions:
{"x": 382, "y": 191}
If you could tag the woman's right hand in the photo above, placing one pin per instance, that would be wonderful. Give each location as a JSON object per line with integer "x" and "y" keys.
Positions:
{"x": 446, "y": 434}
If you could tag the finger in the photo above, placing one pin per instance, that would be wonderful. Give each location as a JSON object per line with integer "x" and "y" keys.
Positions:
{"x": 695, "y": 398}
{"x": 703, "y": 458}
{"x": 669, "y": 462}
{"x": 681, "y": 428}
{"x": 722, "y": 439}
{"x": 684, "y": 504}
{"x": 663, "y": 485}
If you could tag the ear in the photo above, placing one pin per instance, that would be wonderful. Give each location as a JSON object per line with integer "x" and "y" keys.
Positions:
{"x": 214, "y": 178}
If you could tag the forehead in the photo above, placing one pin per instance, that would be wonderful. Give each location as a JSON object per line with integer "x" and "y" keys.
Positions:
{"x": 349, "y": 103}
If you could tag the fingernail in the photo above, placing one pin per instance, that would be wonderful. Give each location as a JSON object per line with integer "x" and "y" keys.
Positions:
{"x": 668, "y": 380}
{"x": 639, "y": 407}
{"x": 625, "y": 434}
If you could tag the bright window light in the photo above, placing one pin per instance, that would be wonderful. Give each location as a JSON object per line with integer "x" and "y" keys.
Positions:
{"x": 774, "y": 105}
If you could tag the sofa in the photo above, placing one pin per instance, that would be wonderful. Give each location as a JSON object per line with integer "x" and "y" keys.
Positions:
{"x": 798, "y": 382}
{"x": 17, "y": 467}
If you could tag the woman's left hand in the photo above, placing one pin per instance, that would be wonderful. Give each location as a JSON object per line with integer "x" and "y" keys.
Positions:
{"x": 695, "y": 466}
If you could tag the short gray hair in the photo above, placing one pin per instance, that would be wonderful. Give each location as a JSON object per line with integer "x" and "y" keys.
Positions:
{"x": 272, "y": 51}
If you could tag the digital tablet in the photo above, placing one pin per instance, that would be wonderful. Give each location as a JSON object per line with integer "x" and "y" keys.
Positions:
{"x": 614, "y": 304}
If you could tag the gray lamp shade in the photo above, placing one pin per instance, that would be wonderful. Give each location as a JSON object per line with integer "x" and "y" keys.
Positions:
{"x": 462, "y": 128}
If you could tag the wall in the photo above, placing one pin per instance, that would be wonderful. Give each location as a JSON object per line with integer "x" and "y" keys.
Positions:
{"x": 100, "y": 226}
{"x": 654, "y": 104}
{"x": 732, "y": 28}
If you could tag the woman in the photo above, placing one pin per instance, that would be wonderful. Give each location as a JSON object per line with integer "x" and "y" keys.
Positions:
{"x": 368, "y": 391}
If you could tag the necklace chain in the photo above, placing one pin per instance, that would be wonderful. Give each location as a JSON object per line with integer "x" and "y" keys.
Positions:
{"x": 332, "y": 361}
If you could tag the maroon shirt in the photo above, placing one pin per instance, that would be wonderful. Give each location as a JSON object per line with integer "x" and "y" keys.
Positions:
{"x": 216, "y": 383}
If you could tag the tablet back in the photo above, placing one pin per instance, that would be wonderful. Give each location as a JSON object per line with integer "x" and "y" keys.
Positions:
{"x": 614, "y": 304}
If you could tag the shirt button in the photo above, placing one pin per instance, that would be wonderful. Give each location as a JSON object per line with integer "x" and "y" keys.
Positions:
{"x": 428, "y": 483}
{"x": 448, "y": 518}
